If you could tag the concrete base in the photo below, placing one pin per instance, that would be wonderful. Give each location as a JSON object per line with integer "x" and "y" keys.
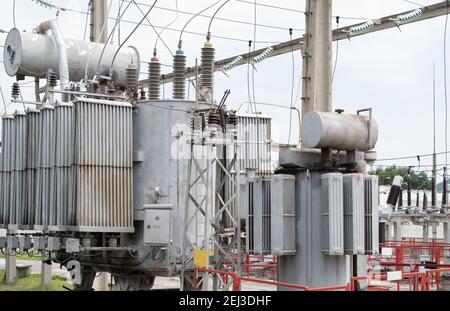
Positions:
{"x": 46, "y": 274}
{"x": 309, "y": 266}
{"x": 101, "y": 282}
{"x": 10, "y": 268}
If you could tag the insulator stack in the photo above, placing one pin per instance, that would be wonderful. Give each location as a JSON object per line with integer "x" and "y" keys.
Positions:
{"x": 154, "y": 76}
{"x": 132, "y": 74}
{"x": 400, "y": 200}
{"x": 207, "y": 71}
{"x": 15, "y": 90}
{"x": 143, "y": 94}
{"x": 94, "y": 87}
{"x": 409, "y": 194}
{"x": 110, "y": 90}
{"x": 52, "y": 79}
{"x": 362, "y": 28}
{"x": 179, "y": 78}
{"x": 214, "y": 118}
{"x": 409, "y": 17}
{"x": 395, "y": 191}
{"x": 445, "y": 190}
{"x": 231, "y": 118}
{"x": 196, "y": 123}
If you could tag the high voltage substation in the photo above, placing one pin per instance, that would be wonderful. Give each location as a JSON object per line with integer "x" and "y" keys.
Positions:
{"x": 100, "y": 173}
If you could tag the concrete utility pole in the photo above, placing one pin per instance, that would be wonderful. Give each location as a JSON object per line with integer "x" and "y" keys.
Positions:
{"x": 317, "y": 57}
{"x": 10, "y": 263}
{"x": 318, "y": 61}
{"x": 99, "y": 21}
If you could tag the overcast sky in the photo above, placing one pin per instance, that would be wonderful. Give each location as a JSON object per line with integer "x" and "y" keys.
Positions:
{"x": 390, "y": 71}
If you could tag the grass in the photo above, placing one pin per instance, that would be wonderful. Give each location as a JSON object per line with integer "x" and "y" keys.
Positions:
{"x": 24, "y": 257}
{"x": 33, "y": 283}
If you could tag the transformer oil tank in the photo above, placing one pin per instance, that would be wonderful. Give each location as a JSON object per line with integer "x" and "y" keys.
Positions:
{"x": 161, "y": 158}
{"x": 32, "y": 54}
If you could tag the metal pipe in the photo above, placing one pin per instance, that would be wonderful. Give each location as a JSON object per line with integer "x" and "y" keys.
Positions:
{"x": 62, "y": 52}
{"x": 88, "y": 94}
{"x": 25, "y": 102}
{"x": 409, "y": 193}
{"x": 107, "y": 249}
{"x": 444, "y": 192}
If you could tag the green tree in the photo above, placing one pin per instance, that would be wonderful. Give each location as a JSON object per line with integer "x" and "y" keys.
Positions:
{"x": 418, "y": 180}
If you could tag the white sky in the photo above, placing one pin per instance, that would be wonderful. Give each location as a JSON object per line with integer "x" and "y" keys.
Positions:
{"x": 390, "y": 71}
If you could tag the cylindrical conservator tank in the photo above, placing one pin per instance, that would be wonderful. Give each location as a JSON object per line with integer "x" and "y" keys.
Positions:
{"x": 32, "y": 54}
{"x": 160, "y": 137}
{"x": 339, "y": 131}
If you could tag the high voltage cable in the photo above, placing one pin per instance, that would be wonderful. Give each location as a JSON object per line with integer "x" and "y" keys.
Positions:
{"x": 445, "y": 84}
{"x": 219, "y": 18}
{"x": 178, "y": 30}
{"x": 412, "y": 2}
{"x": 412, "y": 157}
{"x": 133, "y": 31}
{"x": 296, "y": 10}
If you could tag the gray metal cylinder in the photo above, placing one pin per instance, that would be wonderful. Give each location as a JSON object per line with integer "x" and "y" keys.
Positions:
{"x": 339, "y": 131}
{"x": 32, "y": 54}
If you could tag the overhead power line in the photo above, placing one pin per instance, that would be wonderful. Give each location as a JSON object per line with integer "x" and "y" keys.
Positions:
{"x": 383, "y": 23}
{"x": 271, "y": 6}
{"x": 178, "y": 30}
{"x": 219, "y": 18}
{"x": 412, "y": 157}
{"x": 412, "y": 2}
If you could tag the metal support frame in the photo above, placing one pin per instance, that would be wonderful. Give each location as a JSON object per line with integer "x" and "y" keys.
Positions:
{"x": 207, "y": 204}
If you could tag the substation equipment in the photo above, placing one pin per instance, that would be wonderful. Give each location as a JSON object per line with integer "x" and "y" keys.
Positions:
{"x": 112, "y": 178}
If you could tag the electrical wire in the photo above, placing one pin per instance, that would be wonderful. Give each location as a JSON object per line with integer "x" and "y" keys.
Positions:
{"x": 3, "y": 98}
{"x": 119, "y": 17}
{"x": 192, "y": 18}
{"x": 337, "y": 52}
{"x": 254, "y": 49}
{"x": 87, "y": 20}
{"x": 297, "y": 11}
{"x": 178, "y": 30}
{"x": 168, "y": 25}
{"x": 14, "y": 13}
{"x": 248, "y": 77}
{"x": 167, "y": 47}
{"x": 111, "y": 35}
{"x": 411, "y": 157}
{"x": 220, "y": 18}
{"x": 98, "y": 40}
{"x": 412, "y": 2}
{"x": 131, "y": 33}
{"x": 214, "y": 15}
{"x": 292, "y": 89}
{"x": 445, "y": 84}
